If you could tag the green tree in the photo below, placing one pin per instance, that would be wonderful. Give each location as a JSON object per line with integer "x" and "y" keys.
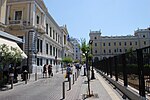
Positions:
{"x": 9, "y": 55}
{"x": 85, "y": 50}
{"x": 67, "y": 60}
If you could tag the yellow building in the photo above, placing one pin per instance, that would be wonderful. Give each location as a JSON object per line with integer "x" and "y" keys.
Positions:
{"x": 2, "y": 14}
{"x": 43, "y": 39}
{"x": 107, "y": 46}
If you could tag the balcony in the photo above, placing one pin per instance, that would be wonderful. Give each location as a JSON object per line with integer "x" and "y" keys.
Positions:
{"x": 18, "y": 24}
{"x": 40, "y": 28}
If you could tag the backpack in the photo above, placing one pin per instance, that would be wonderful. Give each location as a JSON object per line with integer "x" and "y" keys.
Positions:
{"x": 69, "y": 71}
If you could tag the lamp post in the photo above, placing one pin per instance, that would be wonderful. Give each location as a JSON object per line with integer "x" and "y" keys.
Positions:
{"x": 92, "y": 72}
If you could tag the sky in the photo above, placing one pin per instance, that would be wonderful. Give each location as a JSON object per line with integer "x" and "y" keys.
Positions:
{"x": 111, "y": 17}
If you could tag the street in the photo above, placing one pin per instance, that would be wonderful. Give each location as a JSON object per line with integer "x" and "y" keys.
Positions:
{"x": 43, "y": 89}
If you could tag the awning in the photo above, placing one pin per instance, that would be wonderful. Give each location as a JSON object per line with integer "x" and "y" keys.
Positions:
{"x": 13, "y": 44}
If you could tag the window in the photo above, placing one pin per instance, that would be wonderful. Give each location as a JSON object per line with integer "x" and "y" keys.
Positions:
{"x": 115, "y": 50}
{"x": 109, "y": 51}
{"x": 125, "y": 50}
{"x": 41, "y": 42}
{"x": 135, "y": 43}
{"x": 114, "y": 43}
{"x": 130, "y": 43}
{"x": 95, "y": 51}
{"x": 51, "y": 61}
{"x": 104, "y": 51}
{"x": 64, "y": 39}
{"x": 38, "y": 63}
{"x": 38, "y": 41}
{"x": 47, "y": 28}
{"x": 53, "y": 51}
{"x": 50, "y": 32}
{"x": 120, "y": 43}
{"x": 37, "y": 19}
{"x": 41, "y": 61}
{"x": 53, "y": 34}
{"x": 103, "y": 44}
{"x": 50, "y": 49}
{"x": 143, "y": 36}
{"x": 56, "y": 52}
{"x": 95, "y": 44}
{"x": 56, "y": 36}
{"x": 18, "y": 15}
{"x": 47, "y": 61}
{"x": 120, "y": 50}
{"x": 125, "y": 43}
{"x": 95, "y": 38}
{"x": 46, "y": 48}
{"x": 108, "y": 44}
{"x": 144, "y": 42}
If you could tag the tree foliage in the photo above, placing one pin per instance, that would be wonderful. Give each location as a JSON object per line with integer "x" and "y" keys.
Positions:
{"x": 9, "y": 55}
{"x": 67, "y": 60}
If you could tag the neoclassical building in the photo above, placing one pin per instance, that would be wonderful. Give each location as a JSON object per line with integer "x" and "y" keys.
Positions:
{"x": 42, "y": 36}
{"x": 107, "y": 46}
{"x": 2, "y": 14}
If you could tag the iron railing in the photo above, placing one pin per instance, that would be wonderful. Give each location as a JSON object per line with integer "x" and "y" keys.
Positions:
{"x": 132, "y": 68}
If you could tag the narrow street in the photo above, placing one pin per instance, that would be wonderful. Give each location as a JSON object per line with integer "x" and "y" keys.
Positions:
{"x": 43, "y": 89}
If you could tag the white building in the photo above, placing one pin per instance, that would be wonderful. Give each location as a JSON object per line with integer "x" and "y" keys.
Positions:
{"x": 76, "y": 49}
{"x": 43, "y": 39}
{"x": 106, "y": 46}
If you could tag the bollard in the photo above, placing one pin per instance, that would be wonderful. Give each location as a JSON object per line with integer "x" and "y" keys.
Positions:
{"x": 69, "y": 83}
{"x": 63, "y": 90}
{"x": 25, "y": 73}
{"x": 11, "y": 78}
{"x": 35, "y": 76}
{"x": 25, "y": 78}
{"x": 73, "y": 78}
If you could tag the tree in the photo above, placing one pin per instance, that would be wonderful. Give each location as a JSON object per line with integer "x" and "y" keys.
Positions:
{"x": 67, "y": 60}
{"x": 9, "y": 55}
{"x": 85, "y": 50}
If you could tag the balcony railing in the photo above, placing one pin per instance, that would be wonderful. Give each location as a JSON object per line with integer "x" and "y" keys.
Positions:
{"x": 18, "y": 22}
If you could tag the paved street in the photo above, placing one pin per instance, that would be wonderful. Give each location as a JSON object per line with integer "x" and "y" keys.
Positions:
{"x": 43, "y": 89}
{"x": 51, "y": 89}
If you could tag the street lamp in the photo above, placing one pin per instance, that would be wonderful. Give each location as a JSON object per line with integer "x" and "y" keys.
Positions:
{"x": 92, "y": 72}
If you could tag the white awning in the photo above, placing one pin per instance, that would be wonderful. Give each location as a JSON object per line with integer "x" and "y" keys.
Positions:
{"x": 13, "y": 44}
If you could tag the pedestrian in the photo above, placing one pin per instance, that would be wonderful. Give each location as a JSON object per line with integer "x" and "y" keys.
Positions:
{"x": 44, "y": 71}
{"x": 50, "y": 72}
{"x": 68, "y": 72}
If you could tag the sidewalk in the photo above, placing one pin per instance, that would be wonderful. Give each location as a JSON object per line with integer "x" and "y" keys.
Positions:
{"x": 100, "y": 89}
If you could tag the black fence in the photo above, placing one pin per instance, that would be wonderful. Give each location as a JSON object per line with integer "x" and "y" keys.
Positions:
{"x": 132, "y": 68}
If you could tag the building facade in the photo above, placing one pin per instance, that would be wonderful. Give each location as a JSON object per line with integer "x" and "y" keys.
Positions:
{"x": 2, "y": 14}
{"x": 107, "y": 46}
{"x": 43, "y": 39}
{"x": 76, "y": 49}
{"x": 67, "y": 45}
